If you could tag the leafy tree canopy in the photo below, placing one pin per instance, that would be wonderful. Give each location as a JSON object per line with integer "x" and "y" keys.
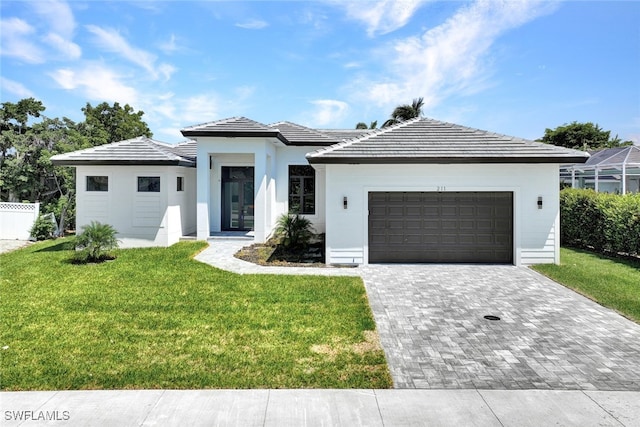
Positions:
{"x": 105, "y": 123}
{"x": 582, "y": 136}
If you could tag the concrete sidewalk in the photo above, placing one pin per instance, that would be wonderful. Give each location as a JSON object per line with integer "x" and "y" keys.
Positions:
{"x": 320, "y": 408}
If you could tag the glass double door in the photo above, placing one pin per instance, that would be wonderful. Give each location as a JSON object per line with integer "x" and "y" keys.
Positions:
{"x": 237, "y": 198}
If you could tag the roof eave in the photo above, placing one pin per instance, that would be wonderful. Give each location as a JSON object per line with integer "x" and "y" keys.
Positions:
{"x": 442, "y": 160}
{"x": 235, "y": 134}
{"x": 69, "y": 162}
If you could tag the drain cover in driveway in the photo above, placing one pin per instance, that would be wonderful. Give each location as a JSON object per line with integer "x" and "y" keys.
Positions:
{"x": 491, "y": 317}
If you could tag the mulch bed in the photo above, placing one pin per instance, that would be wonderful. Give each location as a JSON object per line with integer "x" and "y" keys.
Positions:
{"x": 273, "y": 254}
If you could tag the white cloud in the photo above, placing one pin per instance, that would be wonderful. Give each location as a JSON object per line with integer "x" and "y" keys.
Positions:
{"x": 96, "y": 82}
{"x": 169, "y": 112}
{"x": 15, "y": 88}
{"x": 381, "y": 17}
{"x": 253, "y": 24}
{"x": 59, "y": 17}
{"x": 449, "y": 59}
{"x": 327, "y": 112}
{"x": 15, "y": 39}
{"x": 111, "y": 41}
{"x": 68, "y": 48}
{"x": 173, "y": 45}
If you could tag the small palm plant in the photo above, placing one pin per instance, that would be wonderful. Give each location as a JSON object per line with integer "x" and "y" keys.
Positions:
{"x": 95, "y": 242}
{"x": 294, "y": 230}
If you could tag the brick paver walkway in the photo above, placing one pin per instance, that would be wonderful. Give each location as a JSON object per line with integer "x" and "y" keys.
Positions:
{"x": 431, "y": 325}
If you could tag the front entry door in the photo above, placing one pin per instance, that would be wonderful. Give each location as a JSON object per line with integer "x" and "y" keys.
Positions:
{"x": 237, "y": 198}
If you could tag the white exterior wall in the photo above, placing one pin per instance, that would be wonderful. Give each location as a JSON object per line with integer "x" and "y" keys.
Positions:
{"x": 141, "y": 219}
{"x": 536, "y": 231}
{"x": 271, "y": 160}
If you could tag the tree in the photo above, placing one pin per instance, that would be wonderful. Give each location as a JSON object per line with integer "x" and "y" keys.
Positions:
{"x": 13, "y": 121}
{"x": 104, "y": 123}
{"x": 582, "y": 136}
{"x": 405, "y": 112}
{"x": 363, "y": 125}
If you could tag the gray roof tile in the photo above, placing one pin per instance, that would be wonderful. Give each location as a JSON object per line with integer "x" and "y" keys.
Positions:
{"x": 299, "y": 135}
{"x": 232, "y": 127}
{"x": 140, "y": 151}
{"x": 288, "y": 133}
{"x": 426, "y": 140}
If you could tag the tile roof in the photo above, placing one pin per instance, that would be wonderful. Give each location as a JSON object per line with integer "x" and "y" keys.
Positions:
{"x": 288, "y": 133}
{"x": 299, "y": 135}
{"x": 344, "y": 134}
{"x": 424, "y": 140}
{"x": 139, "y": 151}
{"x": 232, "y": 127}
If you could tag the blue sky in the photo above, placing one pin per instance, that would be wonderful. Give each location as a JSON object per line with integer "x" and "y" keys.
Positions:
{"x": 513, "y": 67}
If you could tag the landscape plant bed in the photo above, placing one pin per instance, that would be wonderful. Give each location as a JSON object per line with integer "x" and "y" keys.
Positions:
{"x": 612, "y": 282}
{"x": 273, "y": 254}
{"x": 155, "y": 318}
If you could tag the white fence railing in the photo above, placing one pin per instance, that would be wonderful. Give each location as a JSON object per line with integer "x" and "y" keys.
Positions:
{"x": 16, "y": 219}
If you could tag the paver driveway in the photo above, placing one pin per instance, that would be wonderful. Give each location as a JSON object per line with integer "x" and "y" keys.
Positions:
{"x": 431, "y": 325}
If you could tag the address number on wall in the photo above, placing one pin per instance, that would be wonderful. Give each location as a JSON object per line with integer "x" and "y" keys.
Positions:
{"x": 441, "y": 188}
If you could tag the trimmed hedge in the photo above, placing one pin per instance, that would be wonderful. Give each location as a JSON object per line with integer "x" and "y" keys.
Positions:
{"x": 604, "y": 222}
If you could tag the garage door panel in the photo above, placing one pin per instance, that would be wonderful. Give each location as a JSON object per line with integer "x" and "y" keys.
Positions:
{"x": 413, "y": 224}
{"x": 414, "y": 211}
{"x": 441, "y": 227}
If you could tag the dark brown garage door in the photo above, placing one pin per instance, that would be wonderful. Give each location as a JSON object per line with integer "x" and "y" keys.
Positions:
{"x": 441, "y": 227}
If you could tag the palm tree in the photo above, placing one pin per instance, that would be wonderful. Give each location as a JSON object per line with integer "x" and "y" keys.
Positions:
{"x": 363, "y": 125}
{"x": 405, "y": 112}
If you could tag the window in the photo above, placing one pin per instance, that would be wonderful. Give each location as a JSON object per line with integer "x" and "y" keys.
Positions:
{"x": 97, "y": 183}
{"x": 180, "y": 183}
{"x": 302, "y": 190}
{"x": 148, "y": 184}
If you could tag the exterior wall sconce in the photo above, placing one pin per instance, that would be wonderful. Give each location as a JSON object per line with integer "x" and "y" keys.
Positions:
{"x": 344, "y": 202}
{"x": 539, "y": 202}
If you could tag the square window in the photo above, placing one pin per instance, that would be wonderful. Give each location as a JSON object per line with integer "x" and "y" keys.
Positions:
{"x": 97, "y": 183}
{"x": 180, "y": 183}
{"x": 302, "y": 185}
{"x": 148, "y": 184}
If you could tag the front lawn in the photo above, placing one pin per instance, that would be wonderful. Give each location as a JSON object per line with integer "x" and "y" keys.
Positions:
{"x": 614, "y": 283}
{"x": 155, "y": 318}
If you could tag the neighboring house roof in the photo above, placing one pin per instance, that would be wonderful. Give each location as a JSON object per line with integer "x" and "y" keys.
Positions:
{"x": 618, "y": 156}
{"x": 139, "y": 151}
{"x": 424, "y": 140}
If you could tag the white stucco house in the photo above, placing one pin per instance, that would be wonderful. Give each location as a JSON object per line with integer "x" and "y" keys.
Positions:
{"x": 420, "y": 191}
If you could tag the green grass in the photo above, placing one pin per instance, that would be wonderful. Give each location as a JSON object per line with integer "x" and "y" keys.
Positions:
{"x": 614, "y": 283}
{"x": 155, "y": 318}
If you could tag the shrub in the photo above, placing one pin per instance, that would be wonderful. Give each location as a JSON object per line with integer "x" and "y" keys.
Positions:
{"x": 604, "y": 222}
{"x": 95, "y": 242}
{"x": 42, "y": 228}
{"x": 294, "y": 231}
